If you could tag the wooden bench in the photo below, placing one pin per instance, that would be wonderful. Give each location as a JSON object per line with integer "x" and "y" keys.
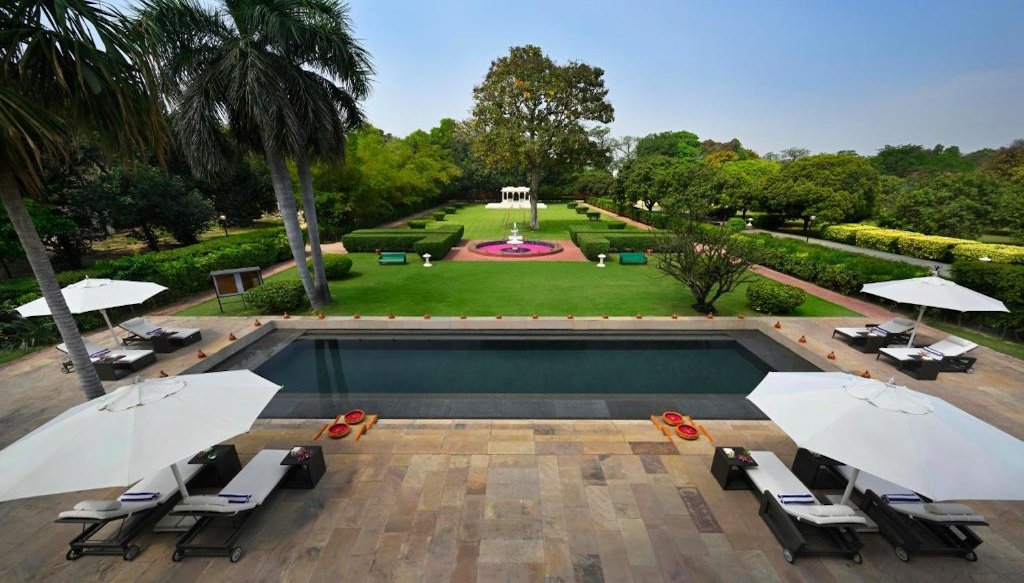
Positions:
{"x": 391, "y": 258}
{"x": 633, "y": 258}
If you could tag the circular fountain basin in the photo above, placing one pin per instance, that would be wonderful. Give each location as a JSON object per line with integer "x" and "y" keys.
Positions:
{"x": 524, "y": 249}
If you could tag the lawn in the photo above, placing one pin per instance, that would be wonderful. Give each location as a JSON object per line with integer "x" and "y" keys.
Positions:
{"x": 1014, "y": 349}
{"x": 483, "y": 223}
{"x": 9, "y": 355}
{"x": 482, "y": 288}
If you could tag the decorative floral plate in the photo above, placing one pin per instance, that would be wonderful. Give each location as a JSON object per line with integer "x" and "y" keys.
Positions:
{"x": 355, "y": 416}
{"x": 672, "y": 418}
{"x": 338, "y": 430}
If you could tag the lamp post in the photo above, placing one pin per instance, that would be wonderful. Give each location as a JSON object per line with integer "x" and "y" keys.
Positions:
{"x": 807, "y": 228}
{"x": 223, "y": 220}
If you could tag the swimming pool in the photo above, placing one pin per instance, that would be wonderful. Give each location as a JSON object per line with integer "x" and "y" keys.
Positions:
{"x": 515, "y": 374}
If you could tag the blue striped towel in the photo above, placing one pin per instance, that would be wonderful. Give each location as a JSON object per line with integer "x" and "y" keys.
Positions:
{"x": 237, "y": 498}
{"x": 139, "y": 496}
{"x": 901, "y": 498}
{"x": 154, "y": 331}
{"x": 797, "y": 499}
{"x": 100, "y": 352}
{"x": 878, "y": 330}
{"x": 933, "y": 353}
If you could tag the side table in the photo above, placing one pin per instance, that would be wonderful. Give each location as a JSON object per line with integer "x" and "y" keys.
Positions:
{"x": 221, "y": 465}
{"x": 924, "y": 369}
{"x": 812, "y": 469}
{"x": 305, "y": 473}
{"x": 728, "y": 472}
{"x": 162, "y": 343}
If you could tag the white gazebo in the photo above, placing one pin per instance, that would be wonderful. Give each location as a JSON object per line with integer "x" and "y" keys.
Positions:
{"x": 514, "y": 197}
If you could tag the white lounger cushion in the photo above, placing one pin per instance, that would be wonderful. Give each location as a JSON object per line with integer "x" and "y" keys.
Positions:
{"x": 101, "y": 505}
{"x": 97, "y": 352}
{"x": 161, "y": 483}
{"x": 257, "y": 480}
{"x": 950, "y": 346}
{"x": 894, "y": 326}
{"x": 832, "y": 510}
{"x": 773, "y": 475}
{"x": 926, "y": 511}
{"x": 143, "y": 328}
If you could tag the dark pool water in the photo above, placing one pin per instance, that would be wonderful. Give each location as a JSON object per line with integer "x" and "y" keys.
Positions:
{"x": 514, "y": 365}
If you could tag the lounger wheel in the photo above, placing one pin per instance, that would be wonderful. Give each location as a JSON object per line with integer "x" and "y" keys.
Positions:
{"x": 902, "y": 554}
{"x": 131, "y": 552}
{"x": 178, "y": 556}
{"x": 788, "y": 555}
{"x": 971, "y": 556}
{"x": 73, "y": 554}
{"x": 236, "y": 554}
{"x": 858, "y": 559}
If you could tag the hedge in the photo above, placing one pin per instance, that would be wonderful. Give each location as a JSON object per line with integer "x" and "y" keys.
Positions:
{"x": 417, "y": 224}
{"x": 438, "y": 215}
{"x": 581, "y": 210}
{"x": 593, "y": 241}
{"x": 436, "y": 241}
{"x": 771, "y": 297}
{"x": 275, "y": 297}
{"x": 931, "y": 247}
{"x": 657, "y": 220}
{"x": 335, "y": 266}
{"x": 999, "y": 280}
{"x": 838, "y": 270}
{"x": 616, "y": 226}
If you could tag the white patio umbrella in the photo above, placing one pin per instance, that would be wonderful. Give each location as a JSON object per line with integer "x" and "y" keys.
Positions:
{"x": 933, "y": 292}
{"x": 917, "y": 441}
{"x": 90, "y": 295}
{"x": 126, "y": 435}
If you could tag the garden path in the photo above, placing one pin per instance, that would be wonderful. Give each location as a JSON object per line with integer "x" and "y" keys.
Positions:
{"x": 942, "y": 267}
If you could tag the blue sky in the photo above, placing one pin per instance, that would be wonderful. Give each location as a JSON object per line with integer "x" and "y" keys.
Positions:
{"x": 824, "y": 75}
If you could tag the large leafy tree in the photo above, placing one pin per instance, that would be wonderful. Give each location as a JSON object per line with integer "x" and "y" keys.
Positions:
{"x": 910, "y": 159}
{"x": 746, "y": 181}
{"x": 652, "y": 179}
{"x": 262, "y": 67}
{"x": 831, "y": 187}
{"x": 682, "y": 144}
{"x": 952, "y": 204}
{"x": 66, "y": 67}
{"x": 534, "y": 115}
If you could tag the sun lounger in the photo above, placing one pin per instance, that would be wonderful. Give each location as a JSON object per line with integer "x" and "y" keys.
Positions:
{"x": 802, "y": 525}
{"x": 892, "y": 332}
{"x": 237, "y": 502}
{"x": 913, "y": 524}
{"x": 951, "y": 352}
{"x": 137, "y": 508}
{"x": 142, "y": 330}
{"x": 126, "y": 360}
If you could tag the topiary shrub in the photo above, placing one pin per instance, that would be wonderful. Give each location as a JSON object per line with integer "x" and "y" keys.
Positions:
{"x": 439, "y": 215}
{"x": 594, "y": 215}
{"x": 880, "y": 239}
{"x": 276, "y": 297}
{"x": 616, "y": 226}
{"x": 335, "y": 266}
{"x": 581, "y": 210}
{"x": 450, "y": 210}
{"x": 771, "y": 297}
{"x": 417, "y": 224}
{"x": 736, "y": 224}
{"x": 572, "y": 204}
{"x": 997, "y": 253}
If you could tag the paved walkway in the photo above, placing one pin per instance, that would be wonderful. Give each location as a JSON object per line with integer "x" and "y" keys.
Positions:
{"x": 461, "y": 252}
{"x": 942, "y": 267}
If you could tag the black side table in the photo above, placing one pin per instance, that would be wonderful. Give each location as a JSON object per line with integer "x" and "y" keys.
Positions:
{"x": 814, "y": 470}
{"x": 924, "y": 369}
{"x": 108, "y": 368}
{"x": 305, "y": 473}
{"x": 870, "y": 343}
{"x": 162, "y": 343}
{"x": 221, "y": 465}
{"x": 728, "y": 472}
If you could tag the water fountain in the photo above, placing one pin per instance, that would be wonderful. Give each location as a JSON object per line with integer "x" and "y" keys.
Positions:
{"x": 515, "y": 246}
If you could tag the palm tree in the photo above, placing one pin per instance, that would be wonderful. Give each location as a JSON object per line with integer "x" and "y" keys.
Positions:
{"x": 254, "y": 65}
{"x": 66, "y": 67}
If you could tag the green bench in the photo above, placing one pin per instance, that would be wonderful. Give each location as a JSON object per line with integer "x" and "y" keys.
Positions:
{"x": 633, "y": 258}
{"x": 391, "y": 258}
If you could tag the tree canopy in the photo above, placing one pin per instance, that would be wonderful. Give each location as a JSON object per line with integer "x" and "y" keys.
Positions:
{"x": 831, "y": 187}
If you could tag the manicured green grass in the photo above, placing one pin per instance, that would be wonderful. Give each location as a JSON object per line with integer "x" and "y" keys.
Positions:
{"x": 488, "y": 288}
{"x": 1014, "y": 349}
{"x": 9, "y": 355}
{"x": 484, "y": 223}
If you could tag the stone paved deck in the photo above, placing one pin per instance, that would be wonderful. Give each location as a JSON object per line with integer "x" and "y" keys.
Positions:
{"x": 479, "y": 500}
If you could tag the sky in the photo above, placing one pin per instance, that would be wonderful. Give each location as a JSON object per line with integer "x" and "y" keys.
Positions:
{"x": 825, "y": 75}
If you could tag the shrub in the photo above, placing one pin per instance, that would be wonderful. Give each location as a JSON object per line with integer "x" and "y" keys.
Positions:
{"x": 880, "y": 239}
{"x": 592, "y": 245}
{"x": 736, "y": 224}
{"x": 277, "y": 296}
{"x": 581, "y": 210}
{"x": 572, "y": 204}
{"x": 594, "y": 215}
{"x": 931, "y": 247}
{"x": 438, "y": 215}
{"x": 335, "y": 266}
{"x": 769, "y": 222}
{"x": 845, "y": 233}
{"x": 999, "y": 280}
{"x": 450, "y": 210}
{"x": 771, "y": 297}
{"x": 437, "y": 245}
{"x": 439, "y": 240}
{"x": 616, "y": 226}
{"x": 997, "y": 253}
{"x": 417, "y": 224}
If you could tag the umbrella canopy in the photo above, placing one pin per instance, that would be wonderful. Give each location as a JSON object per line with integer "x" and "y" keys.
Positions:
{"x": 933, "y": 292}
{"x": 903, "y": 436}
{"x": 126, "y": 435}
{"x": 90, "y": 295}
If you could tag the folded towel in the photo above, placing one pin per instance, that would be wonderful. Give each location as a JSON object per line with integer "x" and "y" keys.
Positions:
{"x": 139, "y": 496}
{"x": 98, "y": 505}
{"x": 878, "y": 330}
{"x": 933, "y": 353}
{"x": 154, "y": 331}
{"x": 901, "y": 498}
{"x": 237, "y": 498}
{"x": 832, "y": 510}
{"x": 797, "y": 499}
{"x": 100, "y": 352}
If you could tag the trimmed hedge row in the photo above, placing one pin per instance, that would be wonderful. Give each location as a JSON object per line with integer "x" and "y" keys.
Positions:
{"x": 436, "y": 241}
{"x": 922, "y": 246}
{"x": 593, "y": 240}
{"x": 834, "y": 269}
{"x": 771, "y": 297}
{"x": 656, "y": 220}
{"x": 999, "y": 280}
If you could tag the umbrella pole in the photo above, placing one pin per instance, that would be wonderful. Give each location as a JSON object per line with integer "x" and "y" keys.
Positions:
{"x": 913, "y": 333}
{"x": 181, "y": 483}
{"x": 117, "y": 341}
{"x": 849, "y": 486}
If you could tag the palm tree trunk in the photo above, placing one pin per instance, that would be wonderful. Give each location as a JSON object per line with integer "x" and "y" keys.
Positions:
{"x": 309, "y": 207}
{"x": 534, "y": 194}
{"x": 40, "y": 263}
{"x": 286, "y": 202}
